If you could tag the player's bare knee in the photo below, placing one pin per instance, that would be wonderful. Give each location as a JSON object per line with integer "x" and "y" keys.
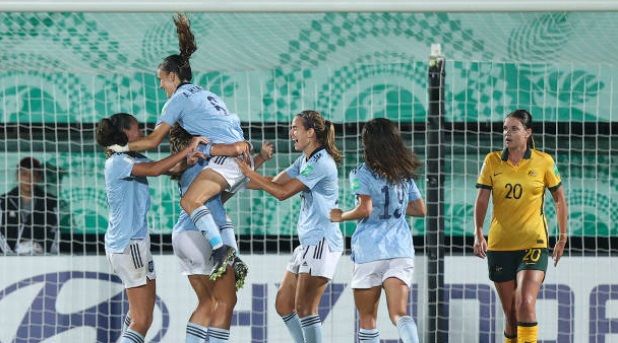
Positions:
{"x": 142, "y": 322}
{"x": 367, "y": 322}
{"x": 304, "y": 309}
{"x": 284, "y": 304}
{"x": 525, "y": 304}
{"x": 394, "y": 316}
{"x": 189, "y": 204}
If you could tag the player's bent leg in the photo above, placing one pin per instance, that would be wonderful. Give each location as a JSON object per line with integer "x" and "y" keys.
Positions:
{"x": 366, "y": 301}
{"x": 141, "y": 305}
{"x": 308, "y": 294}
{"x": 397, "y": 293}
{"x": 225, "y": 295}
{"x": 203, "y": 288}
{"x": 207, "y": 185}
{"x": 286, "y": 308}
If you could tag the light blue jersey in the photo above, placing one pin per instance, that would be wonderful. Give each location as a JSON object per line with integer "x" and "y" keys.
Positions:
{"x": 319, "y": 175}
{"x": 202, "y": 113}
{"x": 215, "y": 205}
{"x": 385, "y": 234}
{"x": 128, "y": 201}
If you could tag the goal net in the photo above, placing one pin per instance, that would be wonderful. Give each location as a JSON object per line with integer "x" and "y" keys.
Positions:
{"x": 62, "y": 72}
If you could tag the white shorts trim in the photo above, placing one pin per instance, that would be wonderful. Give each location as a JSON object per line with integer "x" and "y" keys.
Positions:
{"x": 227, "y": 167}
{"x": 134, "y": 265}
{"x": 315, "y": 260}
{"x": 193, "y": 252}
{"x": 372, "y": 274}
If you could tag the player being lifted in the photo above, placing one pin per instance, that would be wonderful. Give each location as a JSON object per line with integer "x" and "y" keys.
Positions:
{"x": 216, "y": 300}
{"x": 516, "y": 178}
{"x": 314, "y": 175}
{"x": 382, "y": 248}
{"x": 127, "y": 243}
{"x": 201, "y": 113}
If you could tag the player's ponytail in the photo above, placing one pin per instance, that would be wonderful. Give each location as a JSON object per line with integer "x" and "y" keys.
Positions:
{"x": 324, "y": 130}
{"x": 179, "y": 64}
{"x": 526, "y": 120}
{"x": 329, "y": 141}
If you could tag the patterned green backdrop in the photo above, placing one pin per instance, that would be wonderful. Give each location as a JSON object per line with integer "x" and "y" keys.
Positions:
{"x": 79, "y": 67}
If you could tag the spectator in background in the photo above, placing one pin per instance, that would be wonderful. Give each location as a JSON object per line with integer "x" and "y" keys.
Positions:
{"x": 28, "y": 215}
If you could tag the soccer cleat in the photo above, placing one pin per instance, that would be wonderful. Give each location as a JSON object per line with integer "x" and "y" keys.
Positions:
{"x": 221, "y": 258}
{"x": 240, "y": 272}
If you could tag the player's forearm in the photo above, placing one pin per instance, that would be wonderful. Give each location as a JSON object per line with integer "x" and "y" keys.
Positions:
{"x": 233, "y": 149}
{"x": 359, "y": 212}
{"x": 562, "y": 215}
{"x": 160, "y": 167}
{"x": 416, "y": 208}
{"x": 263, "y": 183}
{"x": 146, "y": 143}
{"x": 480, "y": 210}
{"x": 258, "y": 160}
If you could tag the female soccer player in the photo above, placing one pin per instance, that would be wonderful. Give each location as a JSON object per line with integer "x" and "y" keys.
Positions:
{"x": 192, "y": 248}
{"x": 516, "y": 179}
{"x": 314, "y": 174}
{"x": 201, "y": 113}
{"x": 382, "y": 248}
{"x": 127, "y": 243}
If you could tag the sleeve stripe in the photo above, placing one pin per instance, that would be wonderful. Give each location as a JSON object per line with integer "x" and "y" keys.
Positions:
{"x": 480, "y": 185}
{"x": 553, "y": 189}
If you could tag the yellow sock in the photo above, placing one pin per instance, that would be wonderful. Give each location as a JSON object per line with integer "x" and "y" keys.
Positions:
{"x": 510, "y": 338}
{"x": 527, "y": 332}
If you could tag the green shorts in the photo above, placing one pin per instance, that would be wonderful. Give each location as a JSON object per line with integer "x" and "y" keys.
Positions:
{"x": 504, "y": 265}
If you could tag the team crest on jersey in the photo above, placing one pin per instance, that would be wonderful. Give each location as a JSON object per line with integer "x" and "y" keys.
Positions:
{"x": 532, "y": 173}
{"x": 308, "y": 170}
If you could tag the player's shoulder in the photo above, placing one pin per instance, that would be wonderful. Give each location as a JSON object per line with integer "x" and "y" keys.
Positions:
{"x": 541, "y": 155}
{"x": 117, "y": 160}
{"x": 361, "y": 171}
{"x": 494, "y": 156}
{"x": 322, "y": 157}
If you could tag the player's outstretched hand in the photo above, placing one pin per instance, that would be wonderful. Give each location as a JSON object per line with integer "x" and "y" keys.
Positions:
{"x": 335, "y": 215}
{"x": 243, "y": 165}
{"x": 118, "y": 148}
{"x": 195, "y": 141}
{"x": 195, "y": 156}
{"x": 267, "y": 150}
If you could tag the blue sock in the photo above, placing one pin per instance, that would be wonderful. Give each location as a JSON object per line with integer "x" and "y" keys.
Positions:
{"x": 368, "y": 336}
{"x": 407, "y": 330}
{"x": 229, "y": 238}
{"x": 293, "y": 324}
{"x": 202, "y": 219}
{"x": 131, "y": 336}
{"x": 127, "y": 322}
{"x": 196, "y": 333}
{"x": 216, "y": 335}
{"x": 312, "y": 328}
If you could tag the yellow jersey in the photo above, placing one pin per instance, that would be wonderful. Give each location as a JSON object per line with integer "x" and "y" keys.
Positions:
{"x": 518, "y": 221}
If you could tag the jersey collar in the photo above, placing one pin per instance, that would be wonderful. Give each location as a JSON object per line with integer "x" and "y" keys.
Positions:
{"x": 505, "y": 154}
{"x": 315, "y": 152}
{"x": 180, "y": 85}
